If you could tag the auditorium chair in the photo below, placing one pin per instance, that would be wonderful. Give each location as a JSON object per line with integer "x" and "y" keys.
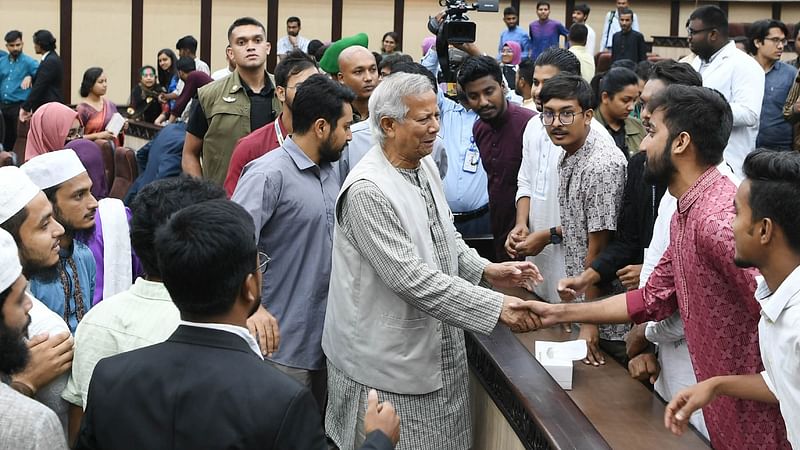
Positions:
{"x": 602, "y": 61}
{"x": 125, "y": 172}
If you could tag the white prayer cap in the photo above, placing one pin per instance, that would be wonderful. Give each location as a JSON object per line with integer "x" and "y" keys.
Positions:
{"x": 10, "y": 268}
{"x": 16, "y": 191}
{"x": 53, "y": 168}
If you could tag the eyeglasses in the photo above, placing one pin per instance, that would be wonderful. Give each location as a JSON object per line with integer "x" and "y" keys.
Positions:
{"x": 564, "y": 117}
{"x": 692, "y": 32}
{"x": 74, "y": 133}
{"x": 777, "y": 41}
{"x": 263, "y": 262}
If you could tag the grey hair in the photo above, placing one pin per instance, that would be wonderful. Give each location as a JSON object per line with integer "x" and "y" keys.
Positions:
{"x": 387, "y": 99}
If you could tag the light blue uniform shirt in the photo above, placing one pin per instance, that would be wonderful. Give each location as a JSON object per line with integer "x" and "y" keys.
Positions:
{"x": 292, "y": 201}
{"x": 47, "y": 287}
{"x": 12, "y": 72}
{"x": 518, "y": 35}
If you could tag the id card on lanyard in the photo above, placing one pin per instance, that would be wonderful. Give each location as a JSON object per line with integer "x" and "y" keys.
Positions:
{"x": 472, "y": 158}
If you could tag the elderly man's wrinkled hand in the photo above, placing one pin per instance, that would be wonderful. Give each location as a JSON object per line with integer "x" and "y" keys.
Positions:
{"x": 519, "y": 316}
{"x": 512, "y": 274}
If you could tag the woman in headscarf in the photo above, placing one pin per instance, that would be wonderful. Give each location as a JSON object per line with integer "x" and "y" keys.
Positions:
{"x": 509, "y": 59}
{"x": 96, "y": 111}
{"x": 143, "y": 104}
{"x": 92, "y": 160}
{"x": 52, "y": 126}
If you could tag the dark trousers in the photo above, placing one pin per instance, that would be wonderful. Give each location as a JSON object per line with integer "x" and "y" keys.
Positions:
{"x": 10, "y": 121}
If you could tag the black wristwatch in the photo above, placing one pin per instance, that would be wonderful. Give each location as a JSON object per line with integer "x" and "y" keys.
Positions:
{"x": 555, "y": 238}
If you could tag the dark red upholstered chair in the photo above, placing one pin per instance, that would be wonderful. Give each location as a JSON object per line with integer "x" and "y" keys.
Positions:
{"x": 22, "y": 139}
{"x": 125, "y": 173}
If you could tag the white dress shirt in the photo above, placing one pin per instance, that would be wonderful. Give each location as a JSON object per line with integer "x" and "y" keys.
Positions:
{"x": 538, "y": 180}
{"x": 591, "y": 40}
{"x": 779, "y": 341}
{"x": 233, "y": 329}
{"x": 740, "y": 79}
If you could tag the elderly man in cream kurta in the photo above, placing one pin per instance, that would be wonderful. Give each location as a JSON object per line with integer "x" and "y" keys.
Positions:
{"x": 404, "y": 284}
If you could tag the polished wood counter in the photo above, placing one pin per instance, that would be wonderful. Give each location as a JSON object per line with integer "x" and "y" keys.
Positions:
{"x": 605, "y": 409}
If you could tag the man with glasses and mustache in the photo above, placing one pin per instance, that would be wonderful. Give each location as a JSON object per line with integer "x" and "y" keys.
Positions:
{"x": 290, "y": 193}
{"x": 733, "y": 73}
{"x": 767, "y": 41}
{"x": 26, "y": 424}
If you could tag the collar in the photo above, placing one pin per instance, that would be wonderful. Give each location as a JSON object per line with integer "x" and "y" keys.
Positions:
{"x": 583, "y": 150}
{"x": 719, "y": 52}
{"x": 45, "y": 55}
{"x": 786, "y": 296}
{"x": 239, "y": 84}
{"x": 775, "y": 66}
{"x": 529, "y": 101}
{"x": 151, "y": 290}
{"x": 239, "y": 331}
{"x": 694, "y": 192}
{"x": 300, "y": 159}
{"x": 504, "y": 118}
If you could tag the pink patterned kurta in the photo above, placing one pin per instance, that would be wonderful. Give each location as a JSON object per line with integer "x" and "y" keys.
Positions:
{"x": 697, "y": 276}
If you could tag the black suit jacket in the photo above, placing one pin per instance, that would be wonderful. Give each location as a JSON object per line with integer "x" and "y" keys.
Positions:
{"x": 47, "y": 83}
{"x": 201, "y": 389}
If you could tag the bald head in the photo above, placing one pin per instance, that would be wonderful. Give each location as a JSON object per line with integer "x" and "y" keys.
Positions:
{"x": 358, "y": 71}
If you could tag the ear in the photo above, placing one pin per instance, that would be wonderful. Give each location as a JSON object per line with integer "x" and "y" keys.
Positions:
{"x": 229, "y": 52}
{"x": 767, "y": 231}
{"x": 388, "y": 126}
{"x": 681, "y": 143}
{"x": 280, "y": 92}
{"x": 340, "y": 77}
{"x": 319, "y": 127}
{"x": 269, "y": 47}
{"x": 250, "y": 291}
{"x": 604, "y": 97}
{"x": 587, "y": 116}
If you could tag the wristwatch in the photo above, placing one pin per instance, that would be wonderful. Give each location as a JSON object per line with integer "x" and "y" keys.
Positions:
{"x": 555, "y": 238}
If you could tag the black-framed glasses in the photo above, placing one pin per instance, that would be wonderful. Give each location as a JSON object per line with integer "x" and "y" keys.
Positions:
{"x": 692, "y": 32}
{"x": 777, "y": 41}
{"x": 564, "y": 117}
{"x": 263, "y": 262}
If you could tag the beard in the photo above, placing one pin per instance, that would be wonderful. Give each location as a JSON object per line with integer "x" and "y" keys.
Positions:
{"x": 660, "y": 173}
{"x": 14, "y": 354}
{"x": 743, "y": 263}
{"x": 328, "y": 152}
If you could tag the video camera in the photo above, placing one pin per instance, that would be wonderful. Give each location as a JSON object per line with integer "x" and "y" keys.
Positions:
{"x": 456, "y": 29}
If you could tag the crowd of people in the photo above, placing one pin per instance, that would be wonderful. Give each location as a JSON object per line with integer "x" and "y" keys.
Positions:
{"x": 291, "y": 268}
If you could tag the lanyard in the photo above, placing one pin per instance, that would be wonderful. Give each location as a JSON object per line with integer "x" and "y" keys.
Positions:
{"x": 278, "y": 132}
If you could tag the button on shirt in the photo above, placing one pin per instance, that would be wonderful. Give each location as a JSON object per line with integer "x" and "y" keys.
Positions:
{"x": 12, "y": 72}
{"x": 292, "y": 201}
{"x": 740, "y": 79}
{"x": 779, "y": 340}
{"x": 774, "y": 132}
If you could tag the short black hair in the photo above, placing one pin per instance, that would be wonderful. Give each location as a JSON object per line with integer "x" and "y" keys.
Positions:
{"x": 321, "y": 52}
{"x": 643, "y": 69}
{"x": 625, "y": 63}
{"x": 775, "y": 190}
{"x": 13, "y": 35}
{"x": 155, "y": 203}
{"x": 760, "y": 29}
{"x": 510, "y": 11}
{"x": 89, "y": 79}
{"x": 561, "y": 58}
{"x": 291, "y": 64}
{"x": 476, "y": 67}
{"x": 186, "y": 64}
{"x": 626, "y": 12}
{"x": 293, "y": 19}
{"x": 45, "y": 40}
{"x": 417, "y": 68}
{"x": 584, "y": 8}
{"x": 701, "y": 112}
{"x": 615, "y": 80}
{"x": 395, "y": 58}
{"x": 538, "y": 4}
{"x": 187, "y": 43}
{"x": 578, "y": 33}
{"x": 525, "y": 70}
{"x": 242, "y": 21}
{"x": 712, "y": 16}
{"x": 313, "y": 46}
{"x": 205, "y": 252}
{"x": 565, "y": 86}
{"x": 319, "y": 97}
{"x": 672, "y": 72}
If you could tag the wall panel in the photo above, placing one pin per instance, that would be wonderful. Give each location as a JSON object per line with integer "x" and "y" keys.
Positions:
{"x": 166, "y": 21}
{"x": 101, "y": 37}
{"x": 749, "y": 12}
{"x": 314, "y": 14}
{"x": 381, "y": 20}
{"x": 223, "y": 14}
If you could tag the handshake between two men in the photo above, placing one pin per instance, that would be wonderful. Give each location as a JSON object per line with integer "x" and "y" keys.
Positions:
{"x": 519, "y": 315}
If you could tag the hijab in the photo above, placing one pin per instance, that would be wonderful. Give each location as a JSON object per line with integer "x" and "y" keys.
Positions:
{"x": 91, "y": 158}
{"x": 516, "y": 50}
{"x": 50, "y": 126}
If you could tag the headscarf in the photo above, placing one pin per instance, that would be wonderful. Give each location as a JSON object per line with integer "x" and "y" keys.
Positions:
{"x": 50, "y": 126}
{"x": 516, "y": 50}
{"x": 427, "y": 43}
{"x": 91, "y": 158}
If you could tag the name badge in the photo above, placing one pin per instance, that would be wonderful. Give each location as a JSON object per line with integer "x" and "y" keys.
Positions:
{"x": 472, "y": 158}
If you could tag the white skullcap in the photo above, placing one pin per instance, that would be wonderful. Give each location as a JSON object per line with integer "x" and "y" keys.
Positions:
{"x": 10, "y": 268}
{"x": 16, "y": 191}
{"x": 54, "y": 168}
